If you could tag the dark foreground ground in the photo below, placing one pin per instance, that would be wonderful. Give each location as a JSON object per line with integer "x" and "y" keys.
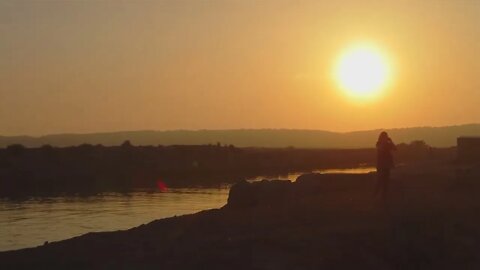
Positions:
{"x": 430, "y": 221}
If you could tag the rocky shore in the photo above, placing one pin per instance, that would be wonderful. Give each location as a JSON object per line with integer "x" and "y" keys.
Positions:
{"x": 321, "y": 221}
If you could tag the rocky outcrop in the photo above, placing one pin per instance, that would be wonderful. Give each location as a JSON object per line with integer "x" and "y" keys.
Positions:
{"x": 267, "y": 193}
{"x": 263, "y": 193}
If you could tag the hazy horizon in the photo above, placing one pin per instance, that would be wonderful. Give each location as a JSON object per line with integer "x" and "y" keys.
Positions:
{"x": 300, "y": 138}
{"x": 236, "y": 129}
{"x": 106, "y": 66}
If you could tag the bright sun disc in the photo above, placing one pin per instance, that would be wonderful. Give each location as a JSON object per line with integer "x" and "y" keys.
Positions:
{"x": 362, "y": 72}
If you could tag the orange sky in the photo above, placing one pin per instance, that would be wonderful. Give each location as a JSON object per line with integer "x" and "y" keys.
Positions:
{"x": 78, "y": 66}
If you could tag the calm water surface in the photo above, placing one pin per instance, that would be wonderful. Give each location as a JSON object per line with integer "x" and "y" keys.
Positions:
{"x": 32, "y": 222}
{"x": 293, "y": 176}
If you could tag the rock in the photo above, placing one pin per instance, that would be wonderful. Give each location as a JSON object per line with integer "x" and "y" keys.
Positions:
{"x": 241, "y": 195}
{"x": 263, "y": 193}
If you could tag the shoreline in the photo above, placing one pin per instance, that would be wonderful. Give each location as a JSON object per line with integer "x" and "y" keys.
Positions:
{"x": 328, "y": 221}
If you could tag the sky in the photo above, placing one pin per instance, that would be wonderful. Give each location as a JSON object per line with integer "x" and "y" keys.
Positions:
{"x": 97, "y": 66}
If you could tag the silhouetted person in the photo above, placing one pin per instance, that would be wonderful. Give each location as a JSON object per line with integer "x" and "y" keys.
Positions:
{"x": 385, "y": 146}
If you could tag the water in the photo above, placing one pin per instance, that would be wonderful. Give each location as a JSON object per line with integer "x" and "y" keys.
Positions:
{"x": 293, "y": 176}
{"x": 30, "y": 223}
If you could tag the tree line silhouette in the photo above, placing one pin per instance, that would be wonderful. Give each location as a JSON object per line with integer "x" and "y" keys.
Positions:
{"x": 87, "y": 169}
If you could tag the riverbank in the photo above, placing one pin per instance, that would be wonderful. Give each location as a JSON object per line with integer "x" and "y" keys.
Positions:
{"x": 93, "y": 169}
{"x": 331, "y": 221}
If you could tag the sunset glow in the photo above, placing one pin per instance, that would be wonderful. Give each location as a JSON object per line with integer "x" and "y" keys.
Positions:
{"x": 106, "y": 66}
{"x": 239, "y": 134}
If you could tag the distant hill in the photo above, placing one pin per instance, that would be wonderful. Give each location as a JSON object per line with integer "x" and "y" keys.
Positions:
{"x": 434, "y": 136}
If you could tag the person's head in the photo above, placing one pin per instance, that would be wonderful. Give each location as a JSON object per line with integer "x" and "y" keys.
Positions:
{"x": 383, "y": 136}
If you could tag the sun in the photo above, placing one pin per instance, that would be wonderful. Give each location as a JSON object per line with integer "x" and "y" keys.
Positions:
{"x": 362, "y": 71}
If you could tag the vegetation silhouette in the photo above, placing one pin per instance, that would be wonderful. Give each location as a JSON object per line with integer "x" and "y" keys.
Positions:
{"x": 89, "y": 169}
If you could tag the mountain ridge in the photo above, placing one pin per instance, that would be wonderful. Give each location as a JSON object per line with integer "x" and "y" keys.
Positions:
{"x": 444, "y": 136}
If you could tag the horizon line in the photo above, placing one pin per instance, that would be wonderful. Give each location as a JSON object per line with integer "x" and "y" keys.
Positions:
{"x": 235, "y": 129}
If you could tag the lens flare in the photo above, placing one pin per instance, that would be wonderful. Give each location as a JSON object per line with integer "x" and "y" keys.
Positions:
{"x": 162, "y": 187}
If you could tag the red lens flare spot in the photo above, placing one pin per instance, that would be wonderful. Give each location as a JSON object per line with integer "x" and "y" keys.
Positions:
{"x": 162, "y": 187}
